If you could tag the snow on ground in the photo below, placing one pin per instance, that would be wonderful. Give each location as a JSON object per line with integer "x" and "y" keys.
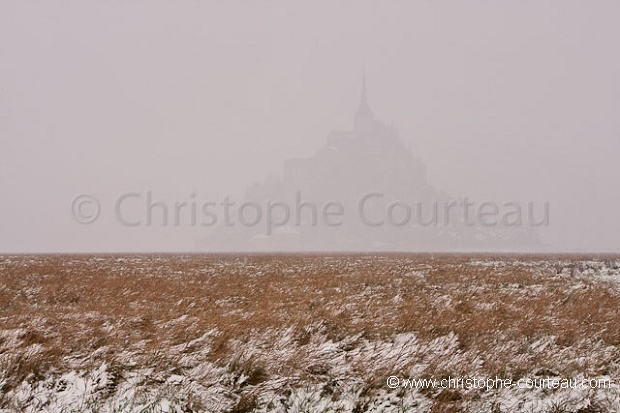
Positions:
{"x": 309, "y": 368}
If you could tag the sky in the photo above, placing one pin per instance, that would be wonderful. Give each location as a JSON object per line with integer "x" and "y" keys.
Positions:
{"x": 503, "y": 101}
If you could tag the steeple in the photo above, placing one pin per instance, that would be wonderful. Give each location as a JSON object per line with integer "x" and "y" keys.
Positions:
{"x": 363, "y": 117}
{"x": 363, "y": 99}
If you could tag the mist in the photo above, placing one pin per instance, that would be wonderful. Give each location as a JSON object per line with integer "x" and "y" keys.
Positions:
{"x": 196, "y": 103}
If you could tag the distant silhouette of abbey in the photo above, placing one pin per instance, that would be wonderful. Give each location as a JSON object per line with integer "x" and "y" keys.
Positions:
{"x": 370, "y": 157}
{"x": 363, "y": 190}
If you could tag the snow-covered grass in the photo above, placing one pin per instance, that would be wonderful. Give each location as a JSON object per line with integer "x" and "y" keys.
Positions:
{"x": 294, "y": 333}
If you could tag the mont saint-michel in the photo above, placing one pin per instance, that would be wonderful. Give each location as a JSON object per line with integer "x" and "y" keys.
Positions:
{"x": 365, "y": 189}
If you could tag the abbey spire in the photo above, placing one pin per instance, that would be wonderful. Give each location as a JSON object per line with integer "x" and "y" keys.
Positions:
{"x": 363, "y": 117}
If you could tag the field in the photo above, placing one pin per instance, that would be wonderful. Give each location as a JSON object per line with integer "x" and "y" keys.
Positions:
{"x": 306, "y": 333}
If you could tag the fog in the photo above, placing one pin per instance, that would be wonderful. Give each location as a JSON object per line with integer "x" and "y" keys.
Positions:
{"x": 510, "y": 102}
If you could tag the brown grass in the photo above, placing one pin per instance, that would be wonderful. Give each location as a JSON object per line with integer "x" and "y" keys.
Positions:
{"x": 74, "y": 305}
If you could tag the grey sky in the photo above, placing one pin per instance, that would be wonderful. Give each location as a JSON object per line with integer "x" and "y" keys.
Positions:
{"x": 501, "y": 100}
